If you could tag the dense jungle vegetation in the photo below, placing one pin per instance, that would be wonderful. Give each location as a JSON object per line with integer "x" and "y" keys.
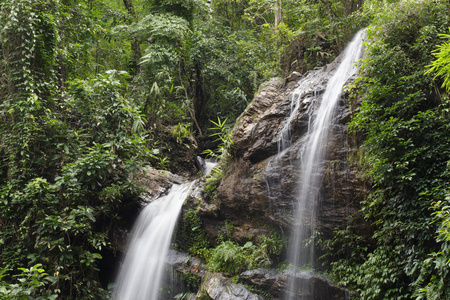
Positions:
{"x": 93, "y": 90}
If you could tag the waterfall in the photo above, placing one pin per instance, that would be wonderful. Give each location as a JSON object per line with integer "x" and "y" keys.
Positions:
{"x": 320, "y": 109}
{"x": 142, "y": 272}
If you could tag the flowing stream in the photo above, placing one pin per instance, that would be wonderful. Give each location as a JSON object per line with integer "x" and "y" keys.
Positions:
{"x": 321, "y": 111}
{"x": 142, "y": 272}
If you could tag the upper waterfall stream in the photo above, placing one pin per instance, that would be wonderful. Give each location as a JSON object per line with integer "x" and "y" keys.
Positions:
{"x": 320, "y": 108}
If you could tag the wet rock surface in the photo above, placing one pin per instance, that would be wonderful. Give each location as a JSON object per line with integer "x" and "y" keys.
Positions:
{"x": 269, "y": 280}
{"x": 183, "y": 263}
{"x": 256, "y": 190}
{"x": 157, "y": 183}
{"x": 219, "y": 287}
{"x": 308, "y": 284}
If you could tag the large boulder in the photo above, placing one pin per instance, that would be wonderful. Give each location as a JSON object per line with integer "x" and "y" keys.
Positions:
{"x": 219, "y": 287}
{"x": 156, "y": 183}
{"x": 309, "y": 285}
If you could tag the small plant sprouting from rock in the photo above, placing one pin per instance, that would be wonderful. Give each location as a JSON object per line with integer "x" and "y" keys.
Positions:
{"x": 181, "y": 132}
{"x": 224, "y": 151}
{"x": 213, "y": 180}
{"x": 222, "y": 134}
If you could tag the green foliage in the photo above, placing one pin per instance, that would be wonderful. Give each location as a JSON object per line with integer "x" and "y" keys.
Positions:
{"x": 191, "y": 236}
{"x": 434, "y": 275}
{"x": 157, "y": 28}
{"x": 28, "y": 41}
{"x": 30, "y": 284}
{"x": 230, "y": 257}
{"x": 181, "y": 132}
{"x": 213, "y": 181}
{"x": 406, "y": 125}
{"x": 383, "y": 275}
{"x": 441, "y": 66}
{"x": 163, "y": 162}
{"x": 66, "y": 160}
{"x": 192, "y": 281}
{"x": 217, "y": 71}
{"x": 224, "y": 151}
{"x": 342, "y": 255}
{"x": 222, "y": 135}
{"x": 321, "y": 29}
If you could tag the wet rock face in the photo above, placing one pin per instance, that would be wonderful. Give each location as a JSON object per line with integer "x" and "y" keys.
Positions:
{"x": 254, "y": 193}
{"x": 268, "y": 280}
{"x": 185, "y": 263}
{"x": 308, "y": 284}
{"x": 220, "y": 288}
{"x": 255, "y": 137}
{"x": 157, "y": 182}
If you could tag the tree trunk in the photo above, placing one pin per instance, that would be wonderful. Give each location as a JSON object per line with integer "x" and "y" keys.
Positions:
{"x": 278, "y": 12}
{"x": 135, "y": 44}
{"x": 198, "y": 94}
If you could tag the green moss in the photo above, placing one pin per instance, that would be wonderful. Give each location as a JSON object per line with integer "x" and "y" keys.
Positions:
{"x": 191, "y": 236}
{"x": 192, "y": 281}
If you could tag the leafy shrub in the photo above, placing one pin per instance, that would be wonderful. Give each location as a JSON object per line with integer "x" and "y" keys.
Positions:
{"x": 230, "y": 257}
{"x": 222, "y": 134}
{"x": 434, "y": 275}
{"x": 66, "y": 172}
{"x": 342, "y": 255}
{"x": 181, "y": 132}
{"x": 441, "y": 66}
{"x": 31, "y": 283}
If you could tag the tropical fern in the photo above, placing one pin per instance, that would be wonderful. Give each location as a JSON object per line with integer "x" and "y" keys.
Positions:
{"x": 442, "y": 63}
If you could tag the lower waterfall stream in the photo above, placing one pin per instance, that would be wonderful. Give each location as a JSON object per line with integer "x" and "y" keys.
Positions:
{"x": 142, "y": 272}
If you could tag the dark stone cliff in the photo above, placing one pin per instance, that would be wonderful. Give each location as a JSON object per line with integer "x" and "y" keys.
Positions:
{"x": 243, "y": 195}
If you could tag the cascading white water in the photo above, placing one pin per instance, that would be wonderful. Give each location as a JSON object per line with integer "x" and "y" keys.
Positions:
{"x": 142, "y": 272}
{"x": 321, "y": 111}
{"x": 209, "y": 165}
{"x": 303, "y": 95}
